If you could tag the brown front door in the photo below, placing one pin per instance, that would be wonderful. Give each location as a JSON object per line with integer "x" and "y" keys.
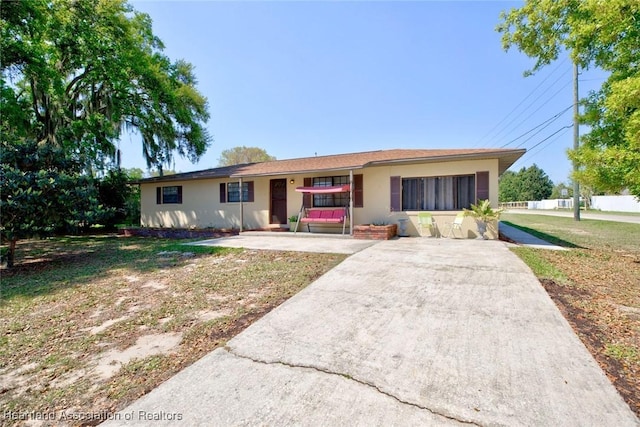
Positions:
{"x": 278, "y": 211}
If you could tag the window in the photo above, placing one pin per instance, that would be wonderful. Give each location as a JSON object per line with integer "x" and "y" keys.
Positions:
{"x": 233, "y": 192}
{"x": 230, "y": 192}
{"x": 442, "y": 193}
{"x": 169, "y": 195}
{"x": 331, "y": 200}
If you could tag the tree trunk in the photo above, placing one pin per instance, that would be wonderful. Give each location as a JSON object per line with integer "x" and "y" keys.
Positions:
{"x": 11, "y": 253}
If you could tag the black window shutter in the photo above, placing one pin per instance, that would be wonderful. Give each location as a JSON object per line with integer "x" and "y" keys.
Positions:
{"x": 396, "y": 190}
{"x": 158, "y": 195}
{"x": 358, "y": 195}
{"x": 482, "y": 186}
{"x": 250, "y": 191}
{"x": 223, "y": 192}
{"x": 179, "y": 194}
{"x": 306, "y": 197}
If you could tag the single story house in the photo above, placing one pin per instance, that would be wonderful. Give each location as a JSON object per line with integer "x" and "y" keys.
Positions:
{"x": 384, "y": 186}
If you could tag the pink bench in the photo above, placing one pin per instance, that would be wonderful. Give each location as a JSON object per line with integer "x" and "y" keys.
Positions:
{"x": 325, "y": 216}
{"x": 333, "y": 216}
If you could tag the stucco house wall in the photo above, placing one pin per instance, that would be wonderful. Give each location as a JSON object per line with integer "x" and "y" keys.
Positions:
{"x": 199, "y": 207}
{"x": 377, "y": 193}
{"x": 203, "y": 207}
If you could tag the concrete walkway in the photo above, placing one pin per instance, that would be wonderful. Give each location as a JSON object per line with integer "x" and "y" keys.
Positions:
{"x": 413, "y": 331}
{"x": 525, "y": 239}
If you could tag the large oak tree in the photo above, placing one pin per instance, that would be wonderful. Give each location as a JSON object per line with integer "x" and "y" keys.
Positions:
{"x": 91, "y": 69}
{"x": 75, "y": 75}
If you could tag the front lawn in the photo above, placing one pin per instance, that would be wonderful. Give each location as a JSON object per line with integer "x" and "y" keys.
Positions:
{"x": 90, "y": 324}
{"x": 596, "y": 285}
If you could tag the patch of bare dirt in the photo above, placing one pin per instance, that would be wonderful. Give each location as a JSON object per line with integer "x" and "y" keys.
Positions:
{"x": 94, "y": 343}
{"x": 110, "y": 362}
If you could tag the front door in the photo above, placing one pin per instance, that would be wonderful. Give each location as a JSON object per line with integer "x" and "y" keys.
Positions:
{"x": 278, "y": 211}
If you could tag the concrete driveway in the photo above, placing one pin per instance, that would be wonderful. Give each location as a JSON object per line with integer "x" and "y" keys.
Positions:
{"x": 405, "y": 332}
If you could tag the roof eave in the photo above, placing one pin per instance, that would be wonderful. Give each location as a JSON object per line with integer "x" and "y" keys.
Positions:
{"x": 505, "y": 158}
{"x": 296, "y": 172}
{"x": 170, "y": 178}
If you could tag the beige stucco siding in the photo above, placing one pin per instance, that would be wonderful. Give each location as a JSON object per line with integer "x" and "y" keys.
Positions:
{"x": 377, "y": 196}
{"x": 377, "y": 192}
{"x": 201, "y": 205}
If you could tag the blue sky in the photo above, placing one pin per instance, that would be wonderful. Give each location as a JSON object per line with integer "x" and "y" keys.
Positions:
{"x": 306, "y": 78}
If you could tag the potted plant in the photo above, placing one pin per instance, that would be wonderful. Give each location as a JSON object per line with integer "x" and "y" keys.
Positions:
{"x": 293, "y": 219}
{"x": 483, "y": 214}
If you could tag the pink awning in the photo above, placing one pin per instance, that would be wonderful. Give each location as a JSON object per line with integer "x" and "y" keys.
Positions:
{"x": 324, "y": 190}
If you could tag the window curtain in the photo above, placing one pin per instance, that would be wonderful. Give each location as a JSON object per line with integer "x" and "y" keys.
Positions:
{"x": 443, "y": 193}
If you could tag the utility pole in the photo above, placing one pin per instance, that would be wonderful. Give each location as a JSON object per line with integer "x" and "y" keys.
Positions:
{"x": 576, "y": 144}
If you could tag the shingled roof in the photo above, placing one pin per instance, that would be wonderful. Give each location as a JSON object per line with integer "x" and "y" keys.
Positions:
{"x": 349, "y": 161}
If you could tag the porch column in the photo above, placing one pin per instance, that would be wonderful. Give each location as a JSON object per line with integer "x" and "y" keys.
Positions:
{"x": 241, "y": 207}
{"x": 351, "y": 202}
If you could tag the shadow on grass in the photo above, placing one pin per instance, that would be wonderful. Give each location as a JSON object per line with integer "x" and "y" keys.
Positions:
{"x": 51, "y": 265}
{"x": 544, "y": 236}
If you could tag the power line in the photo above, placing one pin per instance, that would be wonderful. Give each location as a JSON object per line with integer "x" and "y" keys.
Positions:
{"x": 551, "y": 120}
{"x": 531, "y": 137}
{"x": 522, "y": 102}
{"x": 592, "y": 80}
{"x": 531, "y": 155}
{"x": 539, "y": 108}
{"x": 561, "y": 129}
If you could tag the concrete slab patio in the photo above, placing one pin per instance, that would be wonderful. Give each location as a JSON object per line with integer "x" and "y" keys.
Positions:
{"x": 412, "y": 331}
{"x": 287, "y": 241}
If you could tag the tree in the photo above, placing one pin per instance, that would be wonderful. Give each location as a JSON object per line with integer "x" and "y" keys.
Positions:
{"x": 156, "y": 173}
{"x": 534, "y": 184}
{"x": 530, "y": 183}
{"x": 42, "y": 191}
{"x": 601, "y": 33}
{"x": 508, "y": 187}
{"x": 75, "y": 75}
{"x": 134, "y": 174}
{"x": 90, "y": 69}
{"x": 122, "y": 198}
{"x": 241, "y": 155}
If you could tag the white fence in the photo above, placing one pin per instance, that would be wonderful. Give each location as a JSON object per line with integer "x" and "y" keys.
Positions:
{"x": 615, "y": 203}
{"x": 551, "y": 204}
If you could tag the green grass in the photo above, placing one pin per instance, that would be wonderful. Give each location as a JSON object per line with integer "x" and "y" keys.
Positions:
{"x": 584, "y": 234}
{"x": 589, "y": 211}
{"x": 542, "y": 268}
{"x": 595, "y": 211}
{"x": 624, "y": 352}
{"x": 55, "y": 304}
{"x": 72, "y": 261}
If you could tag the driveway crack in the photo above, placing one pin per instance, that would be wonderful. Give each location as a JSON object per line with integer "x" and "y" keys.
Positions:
{"x": 351, "y": 378}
